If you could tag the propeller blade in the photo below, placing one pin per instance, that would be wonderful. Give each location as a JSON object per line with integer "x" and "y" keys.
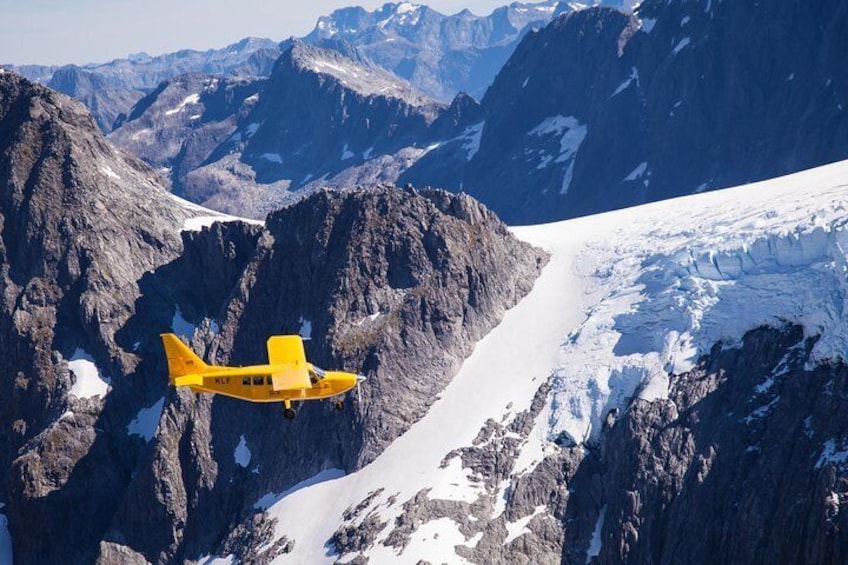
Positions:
{"x": 359, "y": 379}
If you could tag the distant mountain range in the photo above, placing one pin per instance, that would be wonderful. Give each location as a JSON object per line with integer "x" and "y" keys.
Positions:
{"x": 440, "y": 55}
{"x": 111, "y": 89}
{"x": 600, "y": 109}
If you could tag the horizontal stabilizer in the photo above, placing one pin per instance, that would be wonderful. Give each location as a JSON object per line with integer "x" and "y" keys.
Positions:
{"x": 189, "y": 380}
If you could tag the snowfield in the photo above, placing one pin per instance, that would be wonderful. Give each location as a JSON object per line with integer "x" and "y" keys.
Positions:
{"x": 206, "y": 217}
{"x": 627, "y": 297}
{"x": 88, "y": 380}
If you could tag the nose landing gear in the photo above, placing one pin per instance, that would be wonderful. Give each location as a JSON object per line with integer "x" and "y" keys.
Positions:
{"x": 289, "y": 413}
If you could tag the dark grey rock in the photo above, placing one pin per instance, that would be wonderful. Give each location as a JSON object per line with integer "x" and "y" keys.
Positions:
{"x": 353, "y": 539}
{"x": 733, "y": 466}
{"x": 115, "y": 554}
{"x": 246, "y": 541}
{"x": 79, "y": 224}
{"x": 674, "y": 100}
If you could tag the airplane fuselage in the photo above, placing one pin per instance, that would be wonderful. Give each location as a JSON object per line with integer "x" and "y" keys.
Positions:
{"x": 254, "y": 384}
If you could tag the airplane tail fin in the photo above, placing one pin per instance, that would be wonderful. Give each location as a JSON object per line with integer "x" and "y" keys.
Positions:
{"x": 184, "y": 367}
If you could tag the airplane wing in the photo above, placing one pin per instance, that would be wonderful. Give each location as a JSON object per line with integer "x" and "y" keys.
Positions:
{"x": 286, "y": 352}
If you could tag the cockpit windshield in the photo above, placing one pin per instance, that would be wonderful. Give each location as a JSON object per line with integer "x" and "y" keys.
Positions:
{"x": 316, "y": 374}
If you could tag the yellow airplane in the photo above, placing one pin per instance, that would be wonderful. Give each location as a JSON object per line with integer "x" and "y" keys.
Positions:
{"x": 286, "y": 377}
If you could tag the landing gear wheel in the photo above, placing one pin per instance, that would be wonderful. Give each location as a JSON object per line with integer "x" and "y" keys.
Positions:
{"x": 290, "y": 414}
{"x": 339, "y": 404}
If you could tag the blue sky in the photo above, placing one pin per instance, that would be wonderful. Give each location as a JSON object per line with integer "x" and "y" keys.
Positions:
{"x": 83, "y": 31}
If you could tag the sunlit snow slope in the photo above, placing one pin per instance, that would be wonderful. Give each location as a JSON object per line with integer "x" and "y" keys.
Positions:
{"x": 627, "y": 297}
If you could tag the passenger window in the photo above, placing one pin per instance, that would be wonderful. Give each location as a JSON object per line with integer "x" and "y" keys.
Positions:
{"x": 257, "y": 381}
{"x": 245, "y": 381}
{"x": 268, "y": 380}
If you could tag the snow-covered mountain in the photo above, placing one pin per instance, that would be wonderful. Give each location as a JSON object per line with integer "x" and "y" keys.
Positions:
{"x": 249, "y": 146}
{"x": 664, "y": 349}
{"x": 603, "y": 109}
{"x": 440, "y": 54}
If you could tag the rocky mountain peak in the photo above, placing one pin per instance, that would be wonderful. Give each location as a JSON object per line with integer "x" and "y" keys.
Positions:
{"x": 249, "y": 146}
{"x": 354, "y": 20}
{"x": 357, "y": 75}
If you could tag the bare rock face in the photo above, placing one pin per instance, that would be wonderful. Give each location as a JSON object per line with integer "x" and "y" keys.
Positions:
{"x": 744, "y": 463}
{"x": 401, "y": 283}
{"x": 79, "y": 225}
{"x": 398, "y": 285}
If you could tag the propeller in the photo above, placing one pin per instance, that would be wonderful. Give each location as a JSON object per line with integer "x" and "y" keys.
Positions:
{"x": 359, "y": 379}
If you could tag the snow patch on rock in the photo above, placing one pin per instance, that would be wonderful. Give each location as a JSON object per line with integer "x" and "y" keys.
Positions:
{"x": 107, "y": 170}
{"x": 634, "y": 76}
{"x": 519, "y": 527}
{"x": 637, "y": 172}
{"x": 471, "y": 137}
{"x": 832, "y": 454}
{"x": 571, "y": 135}
{"x": 596, "y": 542}
{"x": 89, "y": 380}
{"x": 190, "y": 99}
{"x": 206, "y": 217}
{"x": 305, "y": 330}
{"x": 272, "y": 157}
{"x": 681, "y": 44}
